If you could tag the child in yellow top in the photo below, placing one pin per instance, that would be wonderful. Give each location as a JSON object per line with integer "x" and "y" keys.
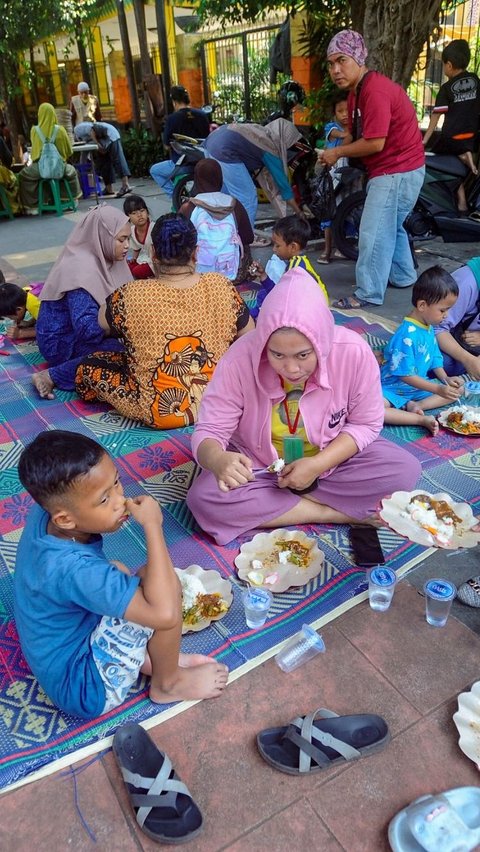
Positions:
{"x": 15, "y": 302}
{"x": 290, "y": 238}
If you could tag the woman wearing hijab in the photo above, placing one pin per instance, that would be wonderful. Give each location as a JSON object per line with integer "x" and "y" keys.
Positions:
{"x": 245, "y": 148}
{"x": 387, "y": 139}
{"x": 207, "y": 195}
{"x": 302, "y": 389}
{"x": 174, "y": 327}
{"x": 92, "y": 265}
{"x": 29, "y": 177}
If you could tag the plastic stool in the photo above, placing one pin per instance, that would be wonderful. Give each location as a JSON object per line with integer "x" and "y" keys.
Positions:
{"x": 5, "y": 209}
{"x": 58, "y": 206}
{"x": 89, "y": 181}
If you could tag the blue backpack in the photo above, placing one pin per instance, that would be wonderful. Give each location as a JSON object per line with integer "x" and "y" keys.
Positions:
{"x": 219, "y": 245}
{"x": 50, "y": 165}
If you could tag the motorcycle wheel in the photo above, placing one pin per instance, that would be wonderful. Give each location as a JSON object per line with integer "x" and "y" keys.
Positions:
{"x": 182, "y": 191}
{"x": 346, "y": 224}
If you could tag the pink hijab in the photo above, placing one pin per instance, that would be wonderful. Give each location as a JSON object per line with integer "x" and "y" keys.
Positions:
{"x": 87, "y": 259}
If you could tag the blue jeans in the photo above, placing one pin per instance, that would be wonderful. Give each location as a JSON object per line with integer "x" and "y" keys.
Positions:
{"x": 383, "y": 249}
{"x": 238, "y": 183}
{"x": 161, "y": 173}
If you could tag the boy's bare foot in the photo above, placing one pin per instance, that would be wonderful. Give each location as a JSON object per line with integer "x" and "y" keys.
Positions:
{"x": 187, "y": 661}
{"x": 426, "y": 420}
{"x": 44, "y": 385}
{"x": 192, "y": 683}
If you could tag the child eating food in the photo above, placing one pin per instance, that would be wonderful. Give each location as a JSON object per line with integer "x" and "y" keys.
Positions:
{"x": 412, "y": 355}
{"x": 88, "y": 627}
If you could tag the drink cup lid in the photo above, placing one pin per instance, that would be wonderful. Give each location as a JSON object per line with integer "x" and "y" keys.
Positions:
{"x": 258, "y": 595}
{"x": 441, "y": 590}
{"x": 383, "y": 576}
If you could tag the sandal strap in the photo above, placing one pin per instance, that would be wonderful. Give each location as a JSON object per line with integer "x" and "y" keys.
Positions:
{"x": 161, "y": 790}
{"x": 309, "y": 732}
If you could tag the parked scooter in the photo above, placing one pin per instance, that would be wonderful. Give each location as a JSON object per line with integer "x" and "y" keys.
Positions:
{"x": 435, "y": 213}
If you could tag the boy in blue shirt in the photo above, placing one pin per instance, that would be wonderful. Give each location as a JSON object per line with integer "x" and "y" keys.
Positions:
{"x": 87, "y": 627}
{"x": 336, "y": 133}
{"x": 413, "y": 354}
{"x": 290, "y": 238}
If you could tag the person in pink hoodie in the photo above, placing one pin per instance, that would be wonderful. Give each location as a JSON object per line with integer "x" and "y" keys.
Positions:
{"x": 295, "y": 386}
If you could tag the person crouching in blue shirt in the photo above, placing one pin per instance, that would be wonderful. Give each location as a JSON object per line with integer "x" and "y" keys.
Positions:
{"x": 88, "y": 627}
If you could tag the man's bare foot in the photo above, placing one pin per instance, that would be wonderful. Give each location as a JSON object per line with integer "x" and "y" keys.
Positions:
{"x": 43, "y": 384}
{"x": 192, "y": 683}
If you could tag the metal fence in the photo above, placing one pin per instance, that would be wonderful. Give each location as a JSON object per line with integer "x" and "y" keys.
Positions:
{"x": 461, "y": 21}
{"x": 236, "y": 74}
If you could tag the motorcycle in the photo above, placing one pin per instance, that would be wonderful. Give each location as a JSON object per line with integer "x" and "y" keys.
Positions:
{"x": 435, "y": 213}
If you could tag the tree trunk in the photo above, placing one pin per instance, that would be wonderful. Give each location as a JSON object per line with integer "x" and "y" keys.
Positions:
{"x": 82, "y": 54}
{"x": 395, "y": 34}
{"x": 10, "y": 110}
{"x": 145, "y": 62}
{"x": 127, "y": 55}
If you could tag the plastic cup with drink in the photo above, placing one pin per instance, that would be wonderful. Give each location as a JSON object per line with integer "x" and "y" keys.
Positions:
{"x": 381, "y": 586}
{"x": 439, "y": 595}
{"x": 257, "y": 602}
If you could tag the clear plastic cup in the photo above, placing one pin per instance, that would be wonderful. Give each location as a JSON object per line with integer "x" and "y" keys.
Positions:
{"x": 471, "y": 392}
{"x": 257, "y": 602}
{"x": 381, "y": 586}
{"x": 300, "y": 648}
{"x": 439, "y": 595}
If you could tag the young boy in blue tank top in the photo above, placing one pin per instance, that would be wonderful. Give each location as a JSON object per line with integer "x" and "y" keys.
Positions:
{"x": 88, "y": 627}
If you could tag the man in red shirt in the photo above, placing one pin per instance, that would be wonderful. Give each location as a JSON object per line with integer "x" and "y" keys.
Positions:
{"x": 386, "y": 137}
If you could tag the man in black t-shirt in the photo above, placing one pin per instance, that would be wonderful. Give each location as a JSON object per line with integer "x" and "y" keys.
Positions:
{"x": 185, "y": 120}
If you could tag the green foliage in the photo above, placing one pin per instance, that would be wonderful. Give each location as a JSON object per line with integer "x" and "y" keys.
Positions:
{"x": 229, "y": 88}
{"x": 23, "y": 23}
{"x": 141, "y": 150}
{"x": 254, "y": 11}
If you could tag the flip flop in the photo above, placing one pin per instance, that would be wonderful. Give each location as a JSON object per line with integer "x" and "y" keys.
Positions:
{"x": 292, "y": 749}
{"x": 448, "y": 822}
{"x": 164, "y": 808}
{"x": 347, "y": 304}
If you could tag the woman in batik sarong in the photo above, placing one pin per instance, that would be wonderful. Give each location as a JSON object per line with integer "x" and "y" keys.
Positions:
{"x": 174, "y": 328}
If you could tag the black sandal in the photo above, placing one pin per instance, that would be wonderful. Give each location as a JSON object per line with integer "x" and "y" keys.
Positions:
{"x": 164, "y": 808}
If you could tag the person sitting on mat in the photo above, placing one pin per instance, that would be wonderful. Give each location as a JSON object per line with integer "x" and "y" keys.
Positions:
{"x": 290, "y": 237}
{"x": 87, "y": 626}
{"x": 412, "y": 354}
{"x": 15, "y": 303}
{"x": 140, "y": 261}
{"x": 303, "y": 389}
{"x": 91, "y": 265}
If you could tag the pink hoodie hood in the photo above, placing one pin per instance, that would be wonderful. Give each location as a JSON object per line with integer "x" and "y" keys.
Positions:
{"x": 343, "y": 394}
{"x": 295, "y": 302}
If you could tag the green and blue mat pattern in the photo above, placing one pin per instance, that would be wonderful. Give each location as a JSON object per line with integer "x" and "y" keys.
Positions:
{"x": 33, "y": 733}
